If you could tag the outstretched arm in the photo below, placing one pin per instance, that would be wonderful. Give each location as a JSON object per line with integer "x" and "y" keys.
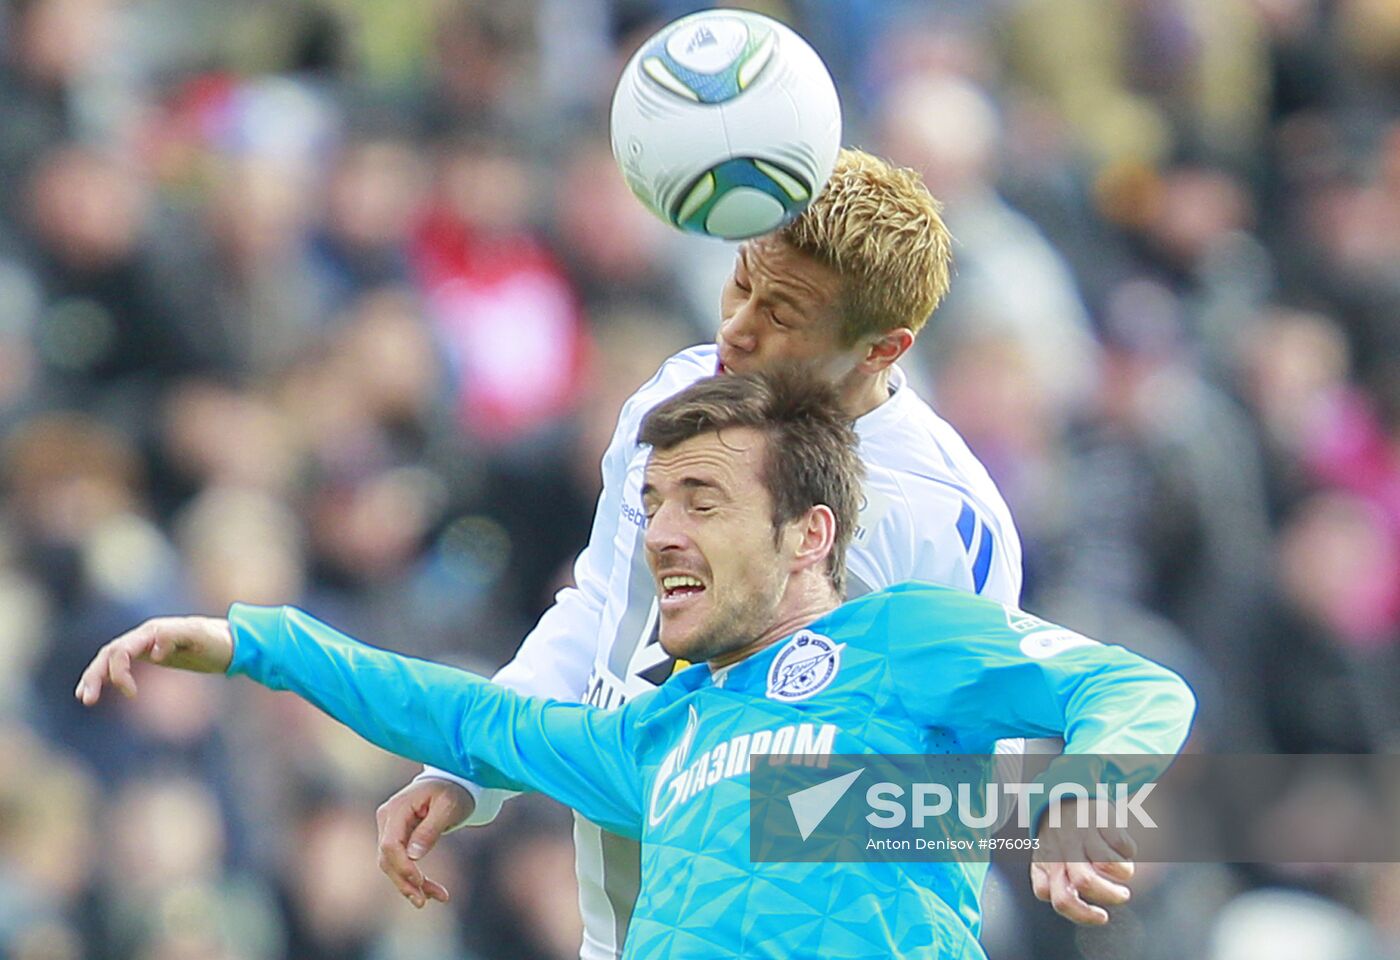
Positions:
{"x": 428, "y": 712}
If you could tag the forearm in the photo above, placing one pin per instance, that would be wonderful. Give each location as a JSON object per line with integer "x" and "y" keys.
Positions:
{"x": 447, "y": 718}
{"x": 1124, "y": 723}
{"x": 1127, "y": 705}
{"x": 553, "y": 661}
{"x": 410, "y": 707}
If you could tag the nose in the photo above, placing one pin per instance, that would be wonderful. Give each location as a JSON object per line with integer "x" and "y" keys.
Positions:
{"x": 664, "y": 532}
{"x": 738, "y": 331}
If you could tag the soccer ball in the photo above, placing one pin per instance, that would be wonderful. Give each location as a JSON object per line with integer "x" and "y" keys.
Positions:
{"x": 726, "y": 123}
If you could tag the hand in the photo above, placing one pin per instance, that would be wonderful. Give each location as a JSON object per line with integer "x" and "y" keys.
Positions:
{"x": 1080, "y": 871}
{"x": 410, "y": 823}
{"x": 201, "y": 644}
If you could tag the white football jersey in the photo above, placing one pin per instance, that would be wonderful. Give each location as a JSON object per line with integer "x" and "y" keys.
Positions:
{"x": 930, "y": 512}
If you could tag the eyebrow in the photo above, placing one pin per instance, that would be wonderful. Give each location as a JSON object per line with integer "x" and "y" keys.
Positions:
{"x": 690, "y": 483}
{"x": 778, "y": 295}
{"x": 695, "y": 483}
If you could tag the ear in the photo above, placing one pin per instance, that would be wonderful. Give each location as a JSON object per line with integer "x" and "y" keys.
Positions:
{"x": 885, "y": 349}
{"x": 812, "y": 537}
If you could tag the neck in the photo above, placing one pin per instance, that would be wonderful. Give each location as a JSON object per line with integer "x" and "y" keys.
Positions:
{"x": 791, "y": 619}
{"x": 862, "y": 393}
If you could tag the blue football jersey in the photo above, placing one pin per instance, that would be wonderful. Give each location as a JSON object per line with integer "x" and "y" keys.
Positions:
{"x": 913, "y": 669}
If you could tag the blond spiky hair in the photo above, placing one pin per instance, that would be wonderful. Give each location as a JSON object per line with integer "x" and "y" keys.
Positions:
{"x": 878, "y": 226}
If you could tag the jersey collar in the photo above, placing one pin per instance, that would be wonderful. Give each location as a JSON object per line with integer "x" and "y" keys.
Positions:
{"x": 891, "y": 410}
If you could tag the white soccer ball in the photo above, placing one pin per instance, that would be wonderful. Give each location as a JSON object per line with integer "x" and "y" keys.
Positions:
{"x": 726, "y": 123}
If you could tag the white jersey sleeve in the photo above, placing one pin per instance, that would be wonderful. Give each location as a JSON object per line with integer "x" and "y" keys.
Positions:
{"x": 928, "y": 528}
{"x": 557, "y": 656}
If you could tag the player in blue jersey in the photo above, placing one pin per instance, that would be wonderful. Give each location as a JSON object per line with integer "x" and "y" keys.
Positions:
{"x": 751, "y": 491}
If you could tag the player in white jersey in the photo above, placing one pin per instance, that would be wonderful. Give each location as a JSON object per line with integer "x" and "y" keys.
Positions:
{"x": 843, "y": 290}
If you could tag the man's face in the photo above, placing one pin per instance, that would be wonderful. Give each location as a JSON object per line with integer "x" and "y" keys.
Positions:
{"x": 779, "y": 306}
{"x": 710, "y": 544}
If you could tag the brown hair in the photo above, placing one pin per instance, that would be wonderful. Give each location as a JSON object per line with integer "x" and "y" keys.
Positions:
{"x": 810, "y": 457}
{"x": 878, "y": 226}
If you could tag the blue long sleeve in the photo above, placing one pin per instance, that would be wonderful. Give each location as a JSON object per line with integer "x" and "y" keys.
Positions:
{"x": 989, "y": 673}
{"x": 447, "y": 718}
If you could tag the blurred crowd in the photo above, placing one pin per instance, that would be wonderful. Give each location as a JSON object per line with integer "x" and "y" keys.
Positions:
{"x": 334, "y": 303}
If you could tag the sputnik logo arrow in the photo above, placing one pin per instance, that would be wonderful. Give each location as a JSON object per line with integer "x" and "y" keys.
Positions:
{"x": 811, "y": 804}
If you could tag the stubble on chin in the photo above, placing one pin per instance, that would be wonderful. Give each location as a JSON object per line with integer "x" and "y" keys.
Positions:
{"x": 704, "y": 645}
{"x": 728, "y": 631}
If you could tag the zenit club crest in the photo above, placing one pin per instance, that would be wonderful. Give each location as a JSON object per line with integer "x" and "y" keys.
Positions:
{"x": 805, "y": 665}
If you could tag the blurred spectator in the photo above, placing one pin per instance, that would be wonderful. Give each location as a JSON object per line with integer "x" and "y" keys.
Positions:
{"x": 240, "y": 545}
{"x": 341, "y": 912}
{"x": 24, "y": 636}
{"x": 48, "y": 848}
{"x": 1284, "y": 925}
{"x": 20, "y": 303}
{"x": 501, "y": 305}
{"x": 55, "y": 53}
{"x": 482, "y": 54}
{"x": 524, "y": 894}
{"x": 948, "y": 130}
{"x": 1292, "y": 366}
{"x": 216, "y": 435}
{"x": 264, "y": 295}
{"x": 373, "y": 194}
{"x": 616, "y": 251}
{"x": 110, "y": 326}
{"x": 1338, "y": 616}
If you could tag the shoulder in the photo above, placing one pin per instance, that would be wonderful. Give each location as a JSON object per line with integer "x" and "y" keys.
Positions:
{"x": 923, "y": 503}
{"x": 906, "y": 436}
{"x": 918, "y": 611}
{"x": 678, "y": 372}
{"x": 917, "y": 458}
{"x": 943, "y": 523}
{"x": 925, "y": 596}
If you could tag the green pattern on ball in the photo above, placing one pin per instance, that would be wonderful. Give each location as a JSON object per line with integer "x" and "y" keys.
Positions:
{"x": 693, "y": 211}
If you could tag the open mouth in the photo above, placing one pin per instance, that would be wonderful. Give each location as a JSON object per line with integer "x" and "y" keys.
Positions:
{"x": 677, "y": 589}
